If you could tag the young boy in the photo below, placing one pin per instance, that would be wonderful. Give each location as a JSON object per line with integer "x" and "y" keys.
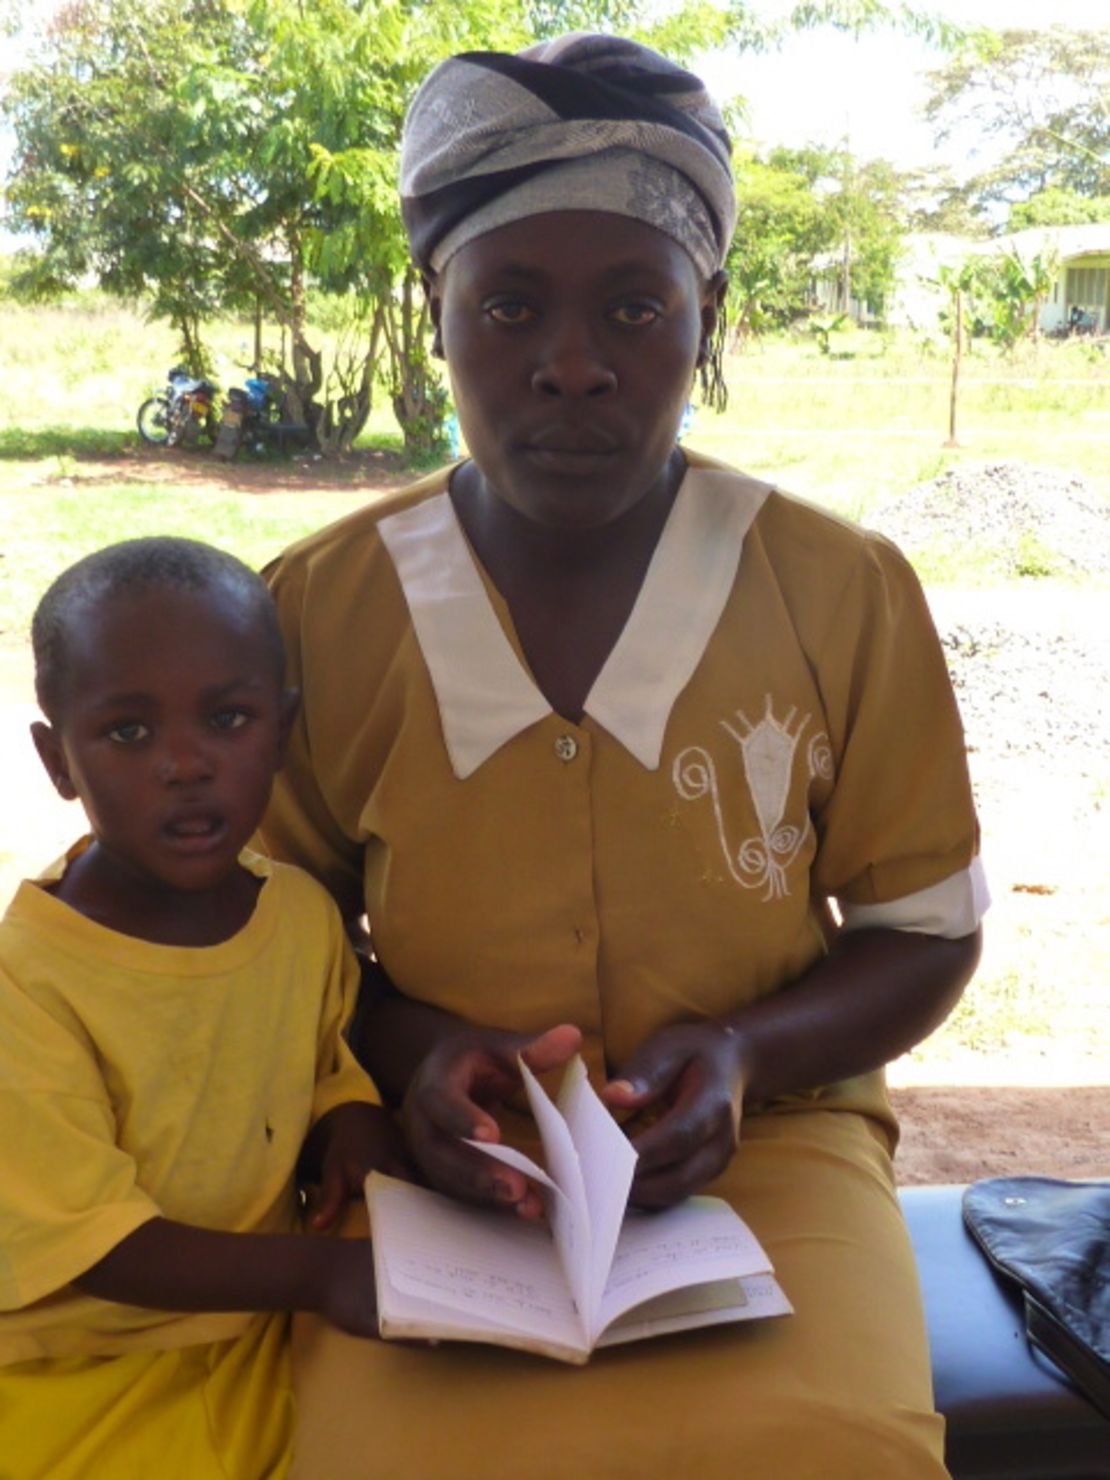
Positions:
{"x": 171, "y": 1051}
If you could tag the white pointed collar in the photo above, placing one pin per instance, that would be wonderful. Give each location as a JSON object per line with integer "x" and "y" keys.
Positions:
{"x": 485, "y": 694}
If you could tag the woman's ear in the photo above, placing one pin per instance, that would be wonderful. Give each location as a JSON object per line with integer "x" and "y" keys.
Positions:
{"x": 53, "y": 757}
{"x": 712, "y": 298}
{"x": 434, "y": 298}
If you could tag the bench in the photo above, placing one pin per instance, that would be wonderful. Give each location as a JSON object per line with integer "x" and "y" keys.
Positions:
{"x": 1011, "y": 1414}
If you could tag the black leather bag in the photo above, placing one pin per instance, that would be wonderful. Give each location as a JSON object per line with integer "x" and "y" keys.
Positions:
{"x": 1053, "y": 1239}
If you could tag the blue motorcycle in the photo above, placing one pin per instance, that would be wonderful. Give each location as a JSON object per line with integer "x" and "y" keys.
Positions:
{"x": 258, "y": 415}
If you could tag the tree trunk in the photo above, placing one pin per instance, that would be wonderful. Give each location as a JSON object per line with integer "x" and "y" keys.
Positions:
{"x": 308, "y": 375}
{"x": 953, "y": 400}
{"x": 419, "y": 399}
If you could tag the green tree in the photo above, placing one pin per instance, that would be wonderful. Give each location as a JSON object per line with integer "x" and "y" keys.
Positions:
{"x": 860, "y": 221}
{"x": 183, "y": 151}
{"x": 90, "y": 182}
{"x": 1018, "y": 286}
{"x": 1043, "y": 97}
{"x": 780, "y": 229}
{"x": 1004, "y": 293}
{"x": 1059, "y": 206}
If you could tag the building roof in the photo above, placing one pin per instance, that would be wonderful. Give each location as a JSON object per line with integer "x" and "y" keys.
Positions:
{"x": 1064, "y": 242}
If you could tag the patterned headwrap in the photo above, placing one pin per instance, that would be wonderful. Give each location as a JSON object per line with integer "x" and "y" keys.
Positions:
{"x": 580, "y": 123}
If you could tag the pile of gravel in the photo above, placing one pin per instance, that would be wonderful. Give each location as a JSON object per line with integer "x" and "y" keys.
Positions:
{"x": 1031, "y": 662}
{"x": 1019, "y": 518}
{"x": 1032, "y": 675}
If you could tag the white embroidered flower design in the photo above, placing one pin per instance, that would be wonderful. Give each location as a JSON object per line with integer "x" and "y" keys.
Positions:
{"x": 768, "y": 752}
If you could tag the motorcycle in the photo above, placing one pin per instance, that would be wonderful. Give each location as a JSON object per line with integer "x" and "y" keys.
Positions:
{"x": 259, "y": 414}
{"x": 180, "y": 414}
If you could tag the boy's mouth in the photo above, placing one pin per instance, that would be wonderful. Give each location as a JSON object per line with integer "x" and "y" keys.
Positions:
{"x": 195, "y": 829}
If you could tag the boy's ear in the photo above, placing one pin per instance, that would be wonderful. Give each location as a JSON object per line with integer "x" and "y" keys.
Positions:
{"x": 53, "y": 757}
{"x": 290, "y": 704}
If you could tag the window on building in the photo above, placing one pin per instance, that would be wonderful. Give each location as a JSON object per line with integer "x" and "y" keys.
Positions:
{"x": 1087, "y": 287}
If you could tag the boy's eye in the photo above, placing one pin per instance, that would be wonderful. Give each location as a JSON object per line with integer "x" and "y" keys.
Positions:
{"x": 128, "y": 733}
{"x": 634, "y": 315}
{"x": 510, "y": 311}
{"x": 229, "y": 719}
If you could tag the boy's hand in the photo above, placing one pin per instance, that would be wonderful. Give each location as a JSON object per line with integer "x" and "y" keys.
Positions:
{"x": 347, "y": 1298}
{"x": 341, "y": 1148}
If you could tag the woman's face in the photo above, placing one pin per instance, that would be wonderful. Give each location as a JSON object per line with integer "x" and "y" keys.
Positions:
{"x": 571, "y": 339}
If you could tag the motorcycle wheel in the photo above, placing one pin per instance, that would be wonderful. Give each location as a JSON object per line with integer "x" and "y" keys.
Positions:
{"x": 153, "y": 420}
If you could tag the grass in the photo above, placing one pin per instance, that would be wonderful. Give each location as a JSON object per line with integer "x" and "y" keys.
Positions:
{"x": 853, "y": 433}
{"x": 848, "y": 430}
{"x": 48, "y": 529}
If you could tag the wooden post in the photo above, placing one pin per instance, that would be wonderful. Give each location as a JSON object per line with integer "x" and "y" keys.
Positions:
{"x": 953, "y": 440}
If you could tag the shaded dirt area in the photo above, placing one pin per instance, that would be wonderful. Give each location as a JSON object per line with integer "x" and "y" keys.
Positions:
{"x": 369, "y": 470}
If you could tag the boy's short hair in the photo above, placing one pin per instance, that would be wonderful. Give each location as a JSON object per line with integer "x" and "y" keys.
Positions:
{"x": 128, "y": 569}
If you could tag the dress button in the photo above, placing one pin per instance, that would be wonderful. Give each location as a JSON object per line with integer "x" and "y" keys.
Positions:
{"x": 566, "y": 747}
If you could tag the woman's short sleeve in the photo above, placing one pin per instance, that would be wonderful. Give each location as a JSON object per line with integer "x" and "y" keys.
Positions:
{"x": 900, "y": 819}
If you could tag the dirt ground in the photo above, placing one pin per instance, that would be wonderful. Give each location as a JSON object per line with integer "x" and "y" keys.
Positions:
{"x": 1043, "y": 1108}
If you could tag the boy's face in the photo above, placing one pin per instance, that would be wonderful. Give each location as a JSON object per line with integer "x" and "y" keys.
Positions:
{"x": 172, "y": 727}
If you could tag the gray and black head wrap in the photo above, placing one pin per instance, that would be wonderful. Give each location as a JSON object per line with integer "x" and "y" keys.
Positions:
{"x": 580, "y": 123}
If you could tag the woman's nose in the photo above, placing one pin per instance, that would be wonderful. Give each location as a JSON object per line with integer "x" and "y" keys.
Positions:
{"x": 571, "y": 364}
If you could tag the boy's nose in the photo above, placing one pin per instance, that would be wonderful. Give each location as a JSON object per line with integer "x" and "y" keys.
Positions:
{"x": 571, "y": 364}
{"x": 183, "y": 763}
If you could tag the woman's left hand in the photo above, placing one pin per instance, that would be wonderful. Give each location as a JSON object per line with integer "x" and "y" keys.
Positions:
{"x": 692, "y": 1073}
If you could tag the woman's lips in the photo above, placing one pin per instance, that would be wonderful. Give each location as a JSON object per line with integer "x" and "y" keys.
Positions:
{"x": 569, "y": 457}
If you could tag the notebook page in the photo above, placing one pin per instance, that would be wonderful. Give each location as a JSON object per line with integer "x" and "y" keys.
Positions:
{"x": 715, "y": 1304}
{"x": 608, "y": 1160}
{"x": 701, "y": 1239}
{"x": 470, "y": 1260}
{"x": 513, "y": 1158}
{"x": 568, "y": 1214}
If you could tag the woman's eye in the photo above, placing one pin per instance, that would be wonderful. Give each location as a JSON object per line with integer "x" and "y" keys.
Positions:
{"x": 128, "y": 733}
{"x": 229, "y": 719}
{"x": 634, "y": 315}
{"x": 510, "y": 311}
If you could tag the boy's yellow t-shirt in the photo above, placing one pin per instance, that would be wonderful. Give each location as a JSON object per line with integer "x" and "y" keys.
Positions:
{"x": 141, "y": 1080}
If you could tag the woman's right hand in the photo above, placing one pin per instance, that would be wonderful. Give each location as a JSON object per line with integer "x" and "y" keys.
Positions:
{"x": 451, "y": 1097}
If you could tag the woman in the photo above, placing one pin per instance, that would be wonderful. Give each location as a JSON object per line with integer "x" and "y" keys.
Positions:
{"x": 598, "y": 734}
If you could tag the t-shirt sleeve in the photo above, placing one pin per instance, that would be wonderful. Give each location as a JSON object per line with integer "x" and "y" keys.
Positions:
{"x": 68, "y": 1194}
{"x": 898, "y": 836}
{"x": 299, "y": 826}
{"x": 339, "y": 1076}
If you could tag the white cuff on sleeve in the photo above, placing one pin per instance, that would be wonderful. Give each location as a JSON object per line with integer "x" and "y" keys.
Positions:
{"x": 951, "y": 908}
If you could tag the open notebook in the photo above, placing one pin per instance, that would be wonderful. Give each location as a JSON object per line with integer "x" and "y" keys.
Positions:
{"x": 595, "y": 1274}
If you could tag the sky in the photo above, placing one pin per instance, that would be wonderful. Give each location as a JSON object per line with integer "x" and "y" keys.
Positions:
{"x": 822, "y": 87}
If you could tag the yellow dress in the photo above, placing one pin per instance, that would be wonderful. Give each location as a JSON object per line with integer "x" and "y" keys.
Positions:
{"x": 140, "y": 1080}
{"x": 772, "y": 742}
